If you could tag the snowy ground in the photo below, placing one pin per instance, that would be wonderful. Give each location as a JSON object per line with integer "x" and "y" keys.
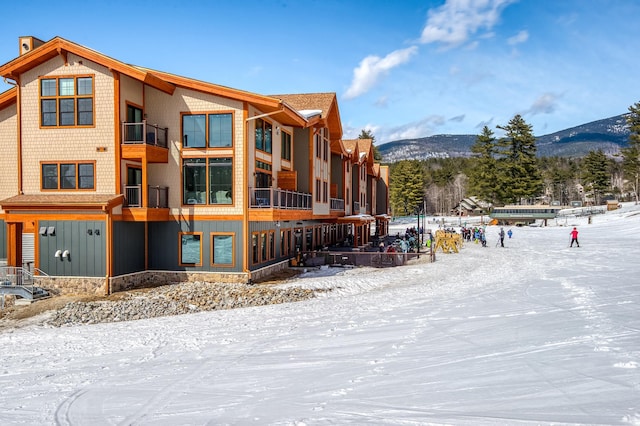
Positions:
{"x": 533, "y": 333}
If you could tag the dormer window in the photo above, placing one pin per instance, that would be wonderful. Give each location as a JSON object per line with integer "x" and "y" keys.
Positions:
{"x": 66, "y": 101}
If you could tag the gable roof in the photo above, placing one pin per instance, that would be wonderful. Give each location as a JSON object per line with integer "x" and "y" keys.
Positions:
{"x": 8, "y": 97}
{"x": 162, "y": 81}
{"x": 326, "y": 103}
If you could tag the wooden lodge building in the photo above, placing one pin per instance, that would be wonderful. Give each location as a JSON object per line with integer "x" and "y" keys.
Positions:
{"x": 116, "y": 176}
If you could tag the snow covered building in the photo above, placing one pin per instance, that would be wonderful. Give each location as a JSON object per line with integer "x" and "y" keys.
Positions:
{"x": 116, "y": 176}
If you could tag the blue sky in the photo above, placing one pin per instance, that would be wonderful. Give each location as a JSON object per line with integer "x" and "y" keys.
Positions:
{"x": 401, "y": 69}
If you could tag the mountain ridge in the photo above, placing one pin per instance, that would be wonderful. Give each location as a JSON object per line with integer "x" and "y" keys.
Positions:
{"x": 609, "y": 134}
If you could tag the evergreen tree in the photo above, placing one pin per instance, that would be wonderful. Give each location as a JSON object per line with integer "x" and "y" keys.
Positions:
{"x": 406, "y": 187}
{"x": 366, "y": 134}
{"x": 596, "y": 175}
{"x": 518, "y": 176}
{"x": 482, "y": 175}
{"x": 631, "y": 154}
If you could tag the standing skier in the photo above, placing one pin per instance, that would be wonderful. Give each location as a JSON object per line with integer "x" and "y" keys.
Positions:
{"x": 501, "y": 237}
{"x": 574, "y": 237}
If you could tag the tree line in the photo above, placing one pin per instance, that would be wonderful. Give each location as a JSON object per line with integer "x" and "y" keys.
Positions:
{"x": 506, "y": 170}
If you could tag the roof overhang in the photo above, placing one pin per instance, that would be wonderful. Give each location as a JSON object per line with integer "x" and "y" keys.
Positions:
{"x": 357, "y": 218}
{"x": 61, "y": 47}
{"x": 8, "y": 98}
{"x": 58, "y": 202}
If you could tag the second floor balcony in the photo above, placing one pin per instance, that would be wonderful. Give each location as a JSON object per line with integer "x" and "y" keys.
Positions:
{"x": 337, "y": 204}
{"x": 270, "y": 198}
{"x": 143, "y": 140}
{"x": 157, "y": 196}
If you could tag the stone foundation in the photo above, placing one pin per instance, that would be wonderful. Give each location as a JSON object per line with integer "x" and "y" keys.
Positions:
{"x": 268, "y": 270}
{"x": 149, "y": 279}
{"x": 71, "y": 285}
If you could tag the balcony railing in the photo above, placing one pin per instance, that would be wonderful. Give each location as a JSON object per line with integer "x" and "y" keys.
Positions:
{"x": 337, "y": 204}
{"x": 143, "y": 133}
{"x": 270, "y": 198}
{"x": 158, "y": 196}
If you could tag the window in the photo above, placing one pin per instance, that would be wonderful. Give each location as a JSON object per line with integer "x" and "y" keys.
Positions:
{"x": 190, "y": 249}
{"x": 220, "y": 130}
{"x": 286, "y": 146}
{"x": 325, "y": 192}
{"x": 263, "y": 135}
{"x": 272, "y": 245}
{"x": 194, "y": 181}
{"x": 202, "y": 176}
{"x": 217, "y": 129}
{"x": 263, "y": 247}
{"x": 220, "y": 181}
{"x": 264, "y": 177}
{"x": 68, "y": 176}
{"x": 254, "y": 248}
{"x": 194, "y": 131}
{"x": 318, "y": 146}
{"x": 222, "y": 250}
{"x": 318, "y": 190}
{"x": 66, "y": 101}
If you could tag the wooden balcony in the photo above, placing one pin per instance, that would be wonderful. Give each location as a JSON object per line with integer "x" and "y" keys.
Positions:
{"x": 278, "y": 204}
{"x": 145, "y": 142}
{"x": 156, "y": 208}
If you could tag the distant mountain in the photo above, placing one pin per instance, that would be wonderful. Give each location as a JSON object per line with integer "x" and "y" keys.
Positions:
{"x": 609, "y": 134}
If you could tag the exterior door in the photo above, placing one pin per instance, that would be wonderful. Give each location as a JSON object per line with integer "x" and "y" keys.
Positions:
{"x": 134, "y": 187}
{"x": 134, "y": 131}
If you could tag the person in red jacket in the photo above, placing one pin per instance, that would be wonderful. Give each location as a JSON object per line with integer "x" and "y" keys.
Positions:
{"x": 574, "y": 237}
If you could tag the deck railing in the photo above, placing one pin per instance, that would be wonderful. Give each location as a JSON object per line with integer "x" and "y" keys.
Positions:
{"x": 20, "y": 282}
{"x": 143, "y": 133}
{"x": 271, "y": 198}
{"x": 157, "y": 196}
{"x": 336, "y": 204}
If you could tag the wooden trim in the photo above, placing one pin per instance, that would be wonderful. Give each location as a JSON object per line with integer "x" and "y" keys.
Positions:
{"x": 109, "y": 249}
{"x": 208, "y": 203}
{"x": 206, "y": 130}
{"x": 246, "y": 239}
{"x": 19, "y": 124}
{"x": 27, "y": 217}
{"x": 58, "y": 97}
{"x": 76, "y": 189}
{"x": 233, "y": 249}
{"x": 117, "y": 132}
{"x": 180, "y": 263}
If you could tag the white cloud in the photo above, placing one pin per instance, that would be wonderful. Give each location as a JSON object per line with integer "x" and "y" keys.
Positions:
{"x": 419, "y": 129}
{"x": 521, "y": 37}
{"x": 454, "y": 22}
{"x": 372, "y": 68}
{"x": 545, "y": 104}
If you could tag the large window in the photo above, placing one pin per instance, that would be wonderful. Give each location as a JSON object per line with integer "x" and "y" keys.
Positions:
{"x": 286, "y": 146}
{"x": 264, "y": 130}
{"x": 66, "y": 101}
{"x": 68, "y": 176}
{"x": 217, "y": 129}
{"x": 222, "y": 250}
{"x": 190, "y": 249}
{"x": 207, "y": 181}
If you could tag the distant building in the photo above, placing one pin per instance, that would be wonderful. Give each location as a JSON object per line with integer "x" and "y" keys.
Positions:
{"x": 471, "y": 206}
